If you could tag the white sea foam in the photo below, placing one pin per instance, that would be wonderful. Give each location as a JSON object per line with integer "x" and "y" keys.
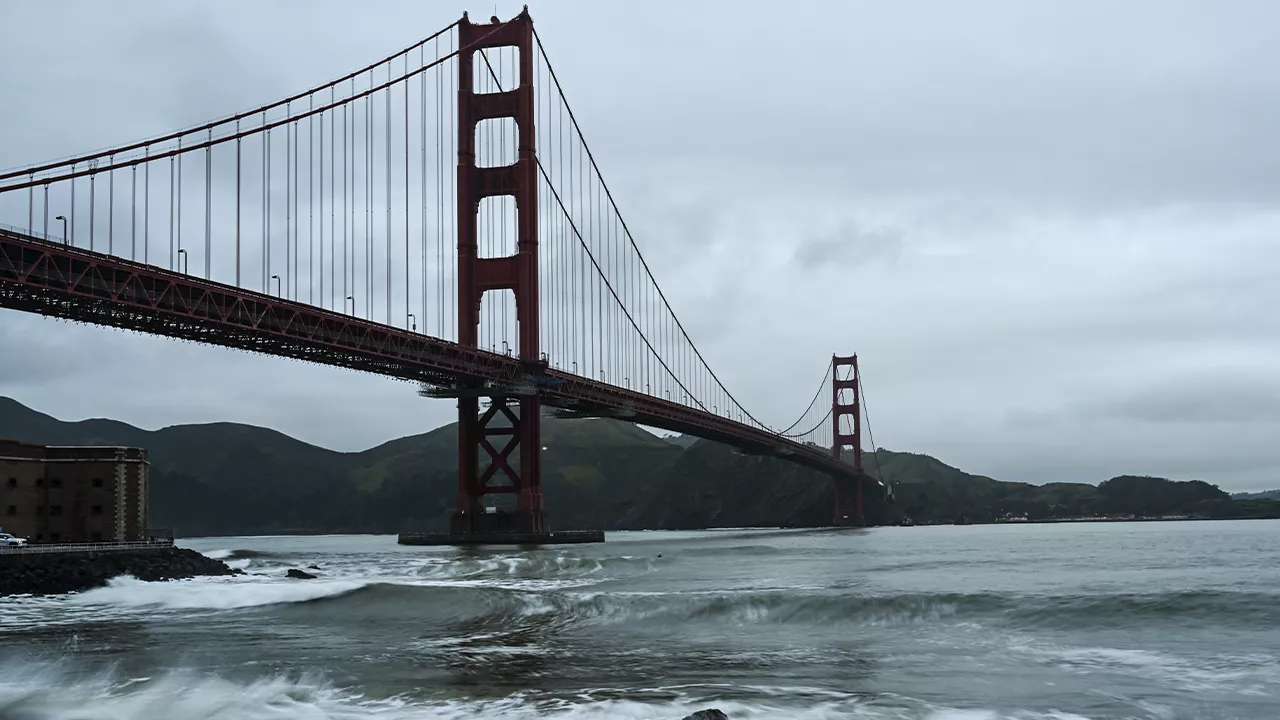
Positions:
{"x": 45, "y": 691}
{"x": 1243, "y": 673}
{"x": 211, "y": 593}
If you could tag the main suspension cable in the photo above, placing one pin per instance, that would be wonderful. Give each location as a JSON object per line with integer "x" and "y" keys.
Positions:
{"x": 631, "y": 239}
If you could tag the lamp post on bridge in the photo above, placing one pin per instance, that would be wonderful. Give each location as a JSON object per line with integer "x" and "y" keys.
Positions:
{"x": 413, "y": 322}
{"x": 353, "y": 303}
{"x": 182, "y": 257}
{"x": 64, "y": 228}
{"x": 277, "y": 279}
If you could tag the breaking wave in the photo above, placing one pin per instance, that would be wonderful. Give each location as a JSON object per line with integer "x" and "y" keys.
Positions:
{"x": 516, "y": 587}
{"x": 46, "y": 691}
{"x": 236, "y": 554}
{"x": 797, "y": 607}
{"x": 220, "y": 594}
{"x": 534, "y": 567}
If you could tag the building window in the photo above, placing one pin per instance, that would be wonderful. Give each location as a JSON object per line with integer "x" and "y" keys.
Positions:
{"x": 97, "y": 482}
{"x": 55, "y": 509}
{"x": 13, "y": 509}
{"x": 55, "y": 483}
{"x": 13, "y": 482}
{"x": 95, "y": 510}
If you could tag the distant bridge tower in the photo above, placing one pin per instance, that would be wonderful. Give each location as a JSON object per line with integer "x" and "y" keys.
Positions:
{"x": 846, "y": 403}
{"x": 517, "y": 432}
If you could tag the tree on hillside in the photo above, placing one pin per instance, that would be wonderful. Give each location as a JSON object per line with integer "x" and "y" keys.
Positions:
{"x": 1145, "y": 495}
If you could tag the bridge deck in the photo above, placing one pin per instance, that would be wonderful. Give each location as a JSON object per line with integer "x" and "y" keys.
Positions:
{"x": 64, "y": 281}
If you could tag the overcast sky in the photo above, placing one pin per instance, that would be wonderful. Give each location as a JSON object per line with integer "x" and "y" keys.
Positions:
{"x": 1050, "y": 230}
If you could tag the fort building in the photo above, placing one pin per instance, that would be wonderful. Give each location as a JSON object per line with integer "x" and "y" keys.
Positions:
{"x": 68, "y": 494}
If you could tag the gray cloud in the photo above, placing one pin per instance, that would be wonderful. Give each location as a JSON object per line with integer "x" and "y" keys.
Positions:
{"x": 1048, "y": 229}
{"x": 1204, "y": 398}
{"x": 848, "y": 246}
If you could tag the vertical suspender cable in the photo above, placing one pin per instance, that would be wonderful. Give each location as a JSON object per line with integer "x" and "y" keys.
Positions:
{"x": 291, "y": 263}
{"x": 406, "y": 191}
{"x": 600, "y": 322}
{"x": 563, "y": 273}
{"x": 333, "y": 212}
{"x": 441, "y": 302}
{"x": 208, "y": 206}
{"x": 266, "y": 248}
{"x": 387, "y": 195}
{"x": 346, "y": 213}
{"x": 368, "y": 205}
{"x": 265, "y": 188}
{"x": 452, "y": 138}
{"x": 71, "y": 239}
{"x": 111, "y": 207}
{"x": 172, "y": 205}
{"x": 146, "y": 208}
{"x": 422, "y": 125}
{"x": 290, "y": 131}
{"x": 439, "y": 269}
{"x": 237, "y": 205}
{"x": 133, "y": 212}
{"x": 293, "y": 242}
{"x": 312, "y": 199}
{"x": 178, "y": 221}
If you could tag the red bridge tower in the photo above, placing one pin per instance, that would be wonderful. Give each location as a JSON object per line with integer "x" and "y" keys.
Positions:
{"x": 512, "y": 420}
{"x": 845, "y": 402}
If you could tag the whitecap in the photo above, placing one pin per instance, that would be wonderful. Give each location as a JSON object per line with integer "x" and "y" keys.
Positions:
{"x": 211, "y": 593}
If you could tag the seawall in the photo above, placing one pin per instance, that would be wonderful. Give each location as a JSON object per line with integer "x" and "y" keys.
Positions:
{"x": 49, "y": 573}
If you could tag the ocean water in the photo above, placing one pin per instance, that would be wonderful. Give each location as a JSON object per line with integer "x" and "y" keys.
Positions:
{"x": 1141, "y": 620}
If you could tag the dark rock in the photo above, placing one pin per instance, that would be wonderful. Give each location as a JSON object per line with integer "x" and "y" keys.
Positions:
{"x": 300, "y": 574}
{"x": 313, "y": 567}
{"x": 77, "y": 570}
{"x": 708, "y": 714}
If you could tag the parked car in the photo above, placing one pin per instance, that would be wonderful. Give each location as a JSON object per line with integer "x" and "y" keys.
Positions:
{"x": 7, "y": 540}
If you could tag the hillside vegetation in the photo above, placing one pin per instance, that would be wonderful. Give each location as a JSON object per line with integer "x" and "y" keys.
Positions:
{"x": 227, "y": 478}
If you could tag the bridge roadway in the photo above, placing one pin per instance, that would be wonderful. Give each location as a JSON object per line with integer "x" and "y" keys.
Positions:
{"x": 59, "y": 280}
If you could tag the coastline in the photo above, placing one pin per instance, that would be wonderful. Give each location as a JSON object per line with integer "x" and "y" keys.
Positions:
{"x": 66, "y": 570}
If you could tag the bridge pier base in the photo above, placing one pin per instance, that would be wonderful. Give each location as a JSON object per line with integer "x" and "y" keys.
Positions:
{"x": 848, "y": 502}
{"x": 486, "y": 444}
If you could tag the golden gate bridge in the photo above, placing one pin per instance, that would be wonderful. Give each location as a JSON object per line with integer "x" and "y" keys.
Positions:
{"x": 436, "y": 217}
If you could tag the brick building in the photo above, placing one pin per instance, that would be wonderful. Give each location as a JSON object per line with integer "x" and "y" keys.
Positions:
{"x": 73, "y": 493}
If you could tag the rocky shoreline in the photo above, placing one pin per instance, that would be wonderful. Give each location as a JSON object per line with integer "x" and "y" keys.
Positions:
{"x": 74, "y": 571}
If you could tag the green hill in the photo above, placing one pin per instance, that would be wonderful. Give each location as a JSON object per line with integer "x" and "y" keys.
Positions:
{"x": 226, "y": 478}
{"x": 1264, "y": 495}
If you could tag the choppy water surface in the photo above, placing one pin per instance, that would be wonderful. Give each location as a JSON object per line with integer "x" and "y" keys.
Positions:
{"x": 1160, "y": 620}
